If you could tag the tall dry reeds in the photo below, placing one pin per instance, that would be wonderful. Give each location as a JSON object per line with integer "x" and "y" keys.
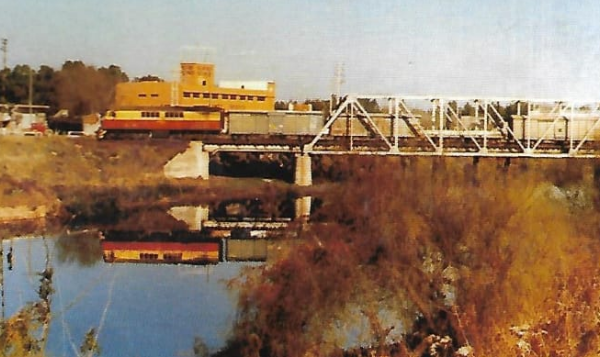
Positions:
{"x": 417, "y": 255}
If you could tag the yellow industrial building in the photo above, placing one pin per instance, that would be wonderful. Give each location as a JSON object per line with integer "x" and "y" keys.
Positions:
{"x": 197, "y": 88}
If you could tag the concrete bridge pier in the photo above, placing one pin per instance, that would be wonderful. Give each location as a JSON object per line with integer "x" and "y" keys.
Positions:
{"x": 303, "y": 171}
{"x": 193, "y": 216}
{"x": 302, "y": 208}
{"x": 192, "y": 163}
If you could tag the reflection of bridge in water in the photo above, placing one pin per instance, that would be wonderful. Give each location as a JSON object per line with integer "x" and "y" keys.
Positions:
{"x": 431, "y": 126}
{"x": 273, "y": 225}
{"x": 232, "y": 234}
{"x": 198, "y": 219}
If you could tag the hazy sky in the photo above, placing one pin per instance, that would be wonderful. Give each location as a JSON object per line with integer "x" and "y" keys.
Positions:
{"x": 517, "y": 48}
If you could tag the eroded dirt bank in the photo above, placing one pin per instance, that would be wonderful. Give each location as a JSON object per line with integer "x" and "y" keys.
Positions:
{"x": 66, "y": 180}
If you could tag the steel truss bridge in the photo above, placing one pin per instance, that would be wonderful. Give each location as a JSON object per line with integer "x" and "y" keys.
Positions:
{"x": 537, "y": 129}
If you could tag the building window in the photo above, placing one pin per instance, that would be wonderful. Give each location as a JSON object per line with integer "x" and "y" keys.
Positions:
{"x": 205, "y": 95}
{"x": 242, "y": 97}
{"x": 187, "y": 94}
{"x": 233, "y": 97}
{"x": 261, "y": 99}
{"x": 215, "y": 96}
{"x": 142, "y": 95}
{"x": 250, "y": 97}
{"x": 224, "y": 96}
{"x": 204, "y": 82}
{"x": 154, "y": 95}
{"x": 196, "y": 95}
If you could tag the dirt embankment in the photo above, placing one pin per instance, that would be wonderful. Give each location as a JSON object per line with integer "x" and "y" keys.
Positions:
{"x": 85, "y": 179}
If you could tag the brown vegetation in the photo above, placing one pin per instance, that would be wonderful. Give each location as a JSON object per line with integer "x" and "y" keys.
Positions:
{"x": 88, "y": 181}
{"x": 419, "y": 257}
{"x": 426, "y": 256}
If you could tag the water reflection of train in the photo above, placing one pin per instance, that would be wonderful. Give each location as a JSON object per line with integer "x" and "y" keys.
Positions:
{"x": 191, "y": 248}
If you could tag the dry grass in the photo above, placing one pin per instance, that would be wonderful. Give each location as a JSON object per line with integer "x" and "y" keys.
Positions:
{"x": 444, "y": 249}
{"x": 38, "y": 171}
{"x": 87, "y": 178}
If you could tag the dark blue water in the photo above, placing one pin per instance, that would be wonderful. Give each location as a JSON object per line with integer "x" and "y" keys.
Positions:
{"x": 138, "y": 309}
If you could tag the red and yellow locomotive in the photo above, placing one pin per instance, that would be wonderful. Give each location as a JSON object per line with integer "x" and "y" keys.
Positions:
{"x": 169, "y": 120}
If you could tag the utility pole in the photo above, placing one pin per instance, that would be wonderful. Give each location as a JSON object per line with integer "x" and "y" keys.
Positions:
{"x": 4, "y": 49}
{"x": 30, "y": 89}
{"x": 338, "y": 81}
{"x": 4, "y": 53}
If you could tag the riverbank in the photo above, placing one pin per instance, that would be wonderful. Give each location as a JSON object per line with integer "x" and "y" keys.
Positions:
{"x": 83, "y": 180}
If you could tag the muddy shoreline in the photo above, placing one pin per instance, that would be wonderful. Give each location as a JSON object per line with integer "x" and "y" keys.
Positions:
{"x": 52, "y": 182}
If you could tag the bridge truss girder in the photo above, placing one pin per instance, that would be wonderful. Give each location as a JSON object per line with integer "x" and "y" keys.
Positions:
{"x": 495, "y": 136}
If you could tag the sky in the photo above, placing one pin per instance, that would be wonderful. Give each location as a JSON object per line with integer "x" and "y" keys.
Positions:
{"x": 471, "y": 48}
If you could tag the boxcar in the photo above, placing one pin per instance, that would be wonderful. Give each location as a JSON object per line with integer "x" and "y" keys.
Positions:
{"x": 275, "y": 123}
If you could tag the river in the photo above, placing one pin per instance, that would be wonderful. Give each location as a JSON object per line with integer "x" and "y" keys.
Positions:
{"x": 401, "y": 257}
{"x": 137, "y": 309}
{"x": 144, "y": 293}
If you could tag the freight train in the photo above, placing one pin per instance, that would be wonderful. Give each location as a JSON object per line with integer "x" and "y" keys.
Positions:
{"x": 171, "y": 121}
{"x": 212, "y": 122}
{"x": 191, "y": 122}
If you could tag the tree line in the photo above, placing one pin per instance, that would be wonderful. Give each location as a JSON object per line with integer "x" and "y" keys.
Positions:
{"x": 76, "y": 86}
